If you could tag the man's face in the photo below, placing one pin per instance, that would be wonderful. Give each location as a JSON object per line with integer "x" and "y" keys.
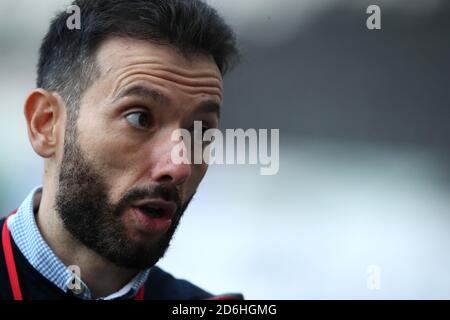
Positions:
{"x": 120, "y": 194}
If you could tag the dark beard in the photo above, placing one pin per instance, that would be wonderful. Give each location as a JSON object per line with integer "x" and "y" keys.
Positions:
{"x": 84, "y": 207}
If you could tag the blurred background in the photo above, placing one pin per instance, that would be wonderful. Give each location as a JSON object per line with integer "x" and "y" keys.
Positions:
{"x": 364, "y": 178}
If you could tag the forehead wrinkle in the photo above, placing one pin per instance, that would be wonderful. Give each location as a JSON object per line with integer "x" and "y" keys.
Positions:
{"x": 175, "y": 74}
{"x": 182, "y": 88}
{"x": 174, "y": 67}
{"x": 139, "y": 82}
{"x": 207, "y": 85}
{"x": 143, "y": 91}
{"x": 200, "y": 91}
{"x": 133, "y": 60}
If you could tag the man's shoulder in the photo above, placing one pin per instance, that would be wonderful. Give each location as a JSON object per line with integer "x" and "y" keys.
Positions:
{"x": 161, "y": 285}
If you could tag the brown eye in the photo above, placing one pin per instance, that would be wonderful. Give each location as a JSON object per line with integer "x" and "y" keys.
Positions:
{"x": 139, "y": 119}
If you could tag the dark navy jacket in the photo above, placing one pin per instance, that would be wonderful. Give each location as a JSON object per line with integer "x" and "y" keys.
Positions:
{"x": 160, "y": 285}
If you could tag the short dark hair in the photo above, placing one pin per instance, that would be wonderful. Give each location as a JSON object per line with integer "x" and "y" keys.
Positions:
{"x": 67, "y": 57}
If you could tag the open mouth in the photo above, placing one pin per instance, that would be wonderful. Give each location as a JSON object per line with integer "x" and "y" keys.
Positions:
{"x": 153, "y": 211}
{"x": 156, "y": 209}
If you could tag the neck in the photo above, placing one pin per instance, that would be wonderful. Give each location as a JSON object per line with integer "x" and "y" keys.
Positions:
{"x": 100, "y": 275}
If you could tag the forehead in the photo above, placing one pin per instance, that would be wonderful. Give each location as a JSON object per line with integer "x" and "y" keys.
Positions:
{"x": 122, "y": 62}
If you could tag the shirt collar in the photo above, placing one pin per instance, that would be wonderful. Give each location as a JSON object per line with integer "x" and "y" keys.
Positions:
{"x": 30, "y": 242}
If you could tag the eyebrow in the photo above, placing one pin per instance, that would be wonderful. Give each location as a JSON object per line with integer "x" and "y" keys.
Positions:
{"x": 143, "y": 92}
{"x": 208, "y": 106}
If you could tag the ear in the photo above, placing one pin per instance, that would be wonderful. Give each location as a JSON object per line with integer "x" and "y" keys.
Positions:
{"x": 44, "y": 113}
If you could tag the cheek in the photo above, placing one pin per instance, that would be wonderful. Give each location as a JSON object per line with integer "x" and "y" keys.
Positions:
{"x": 120, "y": 166}
{"x": 112, "y": 155}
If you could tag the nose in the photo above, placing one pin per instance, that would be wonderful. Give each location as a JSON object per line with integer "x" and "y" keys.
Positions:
{"x": 166, "y": 169}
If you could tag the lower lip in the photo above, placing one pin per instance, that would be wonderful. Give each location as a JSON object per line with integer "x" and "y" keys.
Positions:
{"x": 154, "y": 224}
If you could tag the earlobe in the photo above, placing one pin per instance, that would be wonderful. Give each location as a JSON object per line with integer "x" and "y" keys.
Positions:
{"x": 43, "y": 114}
